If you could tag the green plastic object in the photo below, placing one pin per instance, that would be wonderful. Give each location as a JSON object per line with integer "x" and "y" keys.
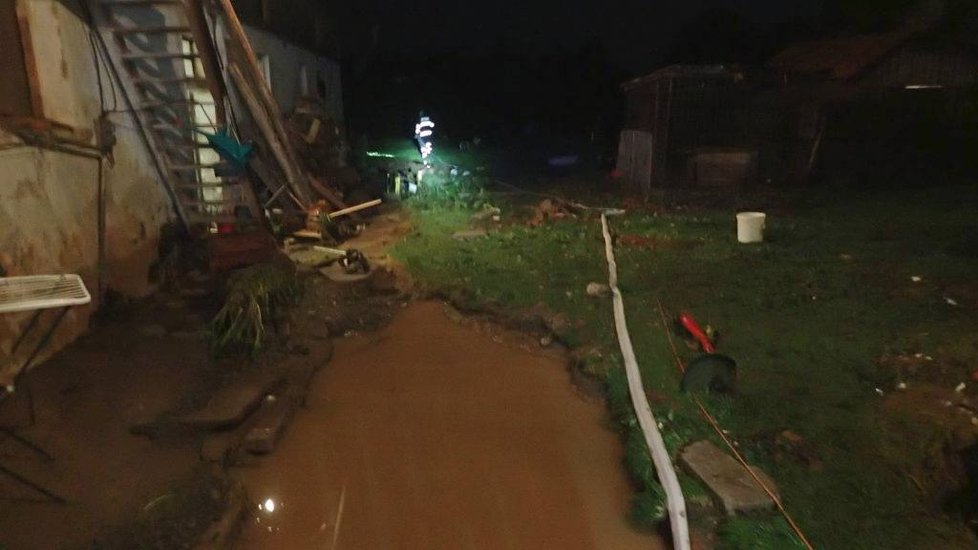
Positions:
{"x": 228, "y": 147}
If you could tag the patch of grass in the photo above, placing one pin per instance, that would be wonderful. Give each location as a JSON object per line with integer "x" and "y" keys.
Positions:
{"x": 256, "y": 296}
{"x": 806, "y": 315}
{"x": 751, "y": 534}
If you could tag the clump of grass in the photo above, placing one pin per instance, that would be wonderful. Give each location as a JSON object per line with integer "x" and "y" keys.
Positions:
{"x": 439, "y": 189}
{"x": 758, "y": 534}
{"x": 256, "y": 295}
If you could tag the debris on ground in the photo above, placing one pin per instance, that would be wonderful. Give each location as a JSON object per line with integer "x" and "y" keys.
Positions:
{"x": 653, "y": 242}
{"x": 466, "y": 234}
{"x": 487, "y": 213}
{"x": 257, "y": 298}
{"x": 189, "y": 512}
{"x": 320, "y": 142}
{"x": 789, "y": 444}
{"x": 598, "y": 290}
{"x": 549, "y": 210}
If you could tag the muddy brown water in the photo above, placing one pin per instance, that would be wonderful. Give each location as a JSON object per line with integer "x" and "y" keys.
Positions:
{"x": 432, "y": 433}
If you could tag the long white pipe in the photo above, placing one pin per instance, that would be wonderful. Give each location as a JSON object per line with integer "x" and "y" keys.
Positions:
{"x": 675, "y": 502}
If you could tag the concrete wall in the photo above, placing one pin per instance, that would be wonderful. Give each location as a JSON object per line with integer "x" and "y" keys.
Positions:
{"x": 285, "y": 65}
{"x": 49, "y": 200}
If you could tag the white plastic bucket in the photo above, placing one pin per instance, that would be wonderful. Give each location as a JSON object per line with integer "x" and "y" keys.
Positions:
{"x": 750, "y": 227}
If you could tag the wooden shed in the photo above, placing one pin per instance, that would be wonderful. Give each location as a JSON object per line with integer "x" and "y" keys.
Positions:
{"x": 684, "y": 127}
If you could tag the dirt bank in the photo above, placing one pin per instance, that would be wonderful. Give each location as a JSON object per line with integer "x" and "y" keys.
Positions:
{"x": 433, "y": 434}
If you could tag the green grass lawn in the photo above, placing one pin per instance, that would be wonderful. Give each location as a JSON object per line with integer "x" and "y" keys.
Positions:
{"x": 807, "y": 315}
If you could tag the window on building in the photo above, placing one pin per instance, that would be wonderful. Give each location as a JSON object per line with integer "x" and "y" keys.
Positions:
{"x": 304, "y": 81}
{"x": 17, "y": 98}
{"x": 321, "y": 87}
{"x": 265, "y": 63}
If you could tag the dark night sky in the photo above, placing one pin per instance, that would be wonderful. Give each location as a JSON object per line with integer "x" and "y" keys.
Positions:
{"x": 635, "y": 32}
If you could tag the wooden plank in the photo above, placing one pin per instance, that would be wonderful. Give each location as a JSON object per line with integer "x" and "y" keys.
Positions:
{"x": 208, "y": 56}
{"x": 264, "y": 124}
{"x": 15, "y": 99}
{"x": 239, "y": 37}
{"x": 352, "y": 209}
{"x": 30, "y": 62}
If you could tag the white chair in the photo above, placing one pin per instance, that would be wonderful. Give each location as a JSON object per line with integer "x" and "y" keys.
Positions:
{"x": 34, "y": 293}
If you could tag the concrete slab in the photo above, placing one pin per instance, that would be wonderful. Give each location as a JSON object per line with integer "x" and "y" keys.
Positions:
{"x": 269, "y": 423}
{"x": 230, "y": 405}
{"x": 726, "y": 478}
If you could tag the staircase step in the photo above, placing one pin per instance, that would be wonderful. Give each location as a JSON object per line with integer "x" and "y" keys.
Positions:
{"x": 158, "y": 55}
{"x": 195, "y": 167}
{"x": 171, "y": 126}
{"x": 140, "y": 2}
{"x": 175, "y": 80}
{"x": 150, "y": 30}
{"x": 207, "y": 185}
{"x": 188, "y": 149}
{"x": 174, "y": 103}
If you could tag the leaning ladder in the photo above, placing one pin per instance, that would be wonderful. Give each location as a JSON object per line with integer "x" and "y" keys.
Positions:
{"x": 154, "y": 53}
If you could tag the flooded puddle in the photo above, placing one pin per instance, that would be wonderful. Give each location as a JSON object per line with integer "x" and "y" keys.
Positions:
{"x": 429, "y": 434}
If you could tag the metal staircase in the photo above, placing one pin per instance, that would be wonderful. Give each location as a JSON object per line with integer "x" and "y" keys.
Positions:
{"x": 154, "y": 52}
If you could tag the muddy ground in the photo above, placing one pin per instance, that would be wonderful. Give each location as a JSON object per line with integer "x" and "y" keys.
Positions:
{"x": 427, "y": 429}
{"x": 138, "y": 363}
{"x": 432, "y": 433}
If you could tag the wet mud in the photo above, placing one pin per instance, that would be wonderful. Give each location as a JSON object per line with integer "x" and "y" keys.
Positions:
{"x": 431, "y": 433}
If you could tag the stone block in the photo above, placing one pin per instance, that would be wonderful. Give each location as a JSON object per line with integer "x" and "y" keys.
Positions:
{"x": 729, "y": 482}
{"x": 269, "y": 424}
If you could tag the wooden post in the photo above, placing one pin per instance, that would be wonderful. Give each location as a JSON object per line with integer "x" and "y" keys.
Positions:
{"x": 262, "y": 120}
{"x": 208, "y": 56}
{"x": 30, "y": 61}
{"x": 265, "y": 95}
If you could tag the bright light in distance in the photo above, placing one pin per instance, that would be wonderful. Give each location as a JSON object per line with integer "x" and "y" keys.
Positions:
{"x": 923, "y": 87}
{"x": 268, "y": 505}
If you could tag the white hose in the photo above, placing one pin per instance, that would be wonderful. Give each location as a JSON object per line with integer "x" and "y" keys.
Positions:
{"x": 650, "y": 428}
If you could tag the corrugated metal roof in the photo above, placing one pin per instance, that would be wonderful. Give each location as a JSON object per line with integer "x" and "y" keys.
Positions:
{"x": 838, "y": 58}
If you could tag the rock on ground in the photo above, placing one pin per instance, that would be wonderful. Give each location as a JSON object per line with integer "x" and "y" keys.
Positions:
{"x": 734, "y": 487}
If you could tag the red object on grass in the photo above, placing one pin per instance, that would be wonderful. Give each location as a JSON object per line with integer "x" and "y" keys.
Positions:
{"x": 693, "y": 327}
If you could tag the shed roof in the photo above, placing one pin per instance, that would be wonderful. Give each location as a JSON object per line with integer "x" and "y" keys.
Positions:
{"x": 683, "y": 71}
{"x": 839, "y": 58}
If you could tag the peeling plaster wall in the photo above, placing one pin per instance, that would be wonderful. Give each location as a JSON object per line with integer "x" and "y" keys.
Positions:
{"x": 49, "y": 200}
